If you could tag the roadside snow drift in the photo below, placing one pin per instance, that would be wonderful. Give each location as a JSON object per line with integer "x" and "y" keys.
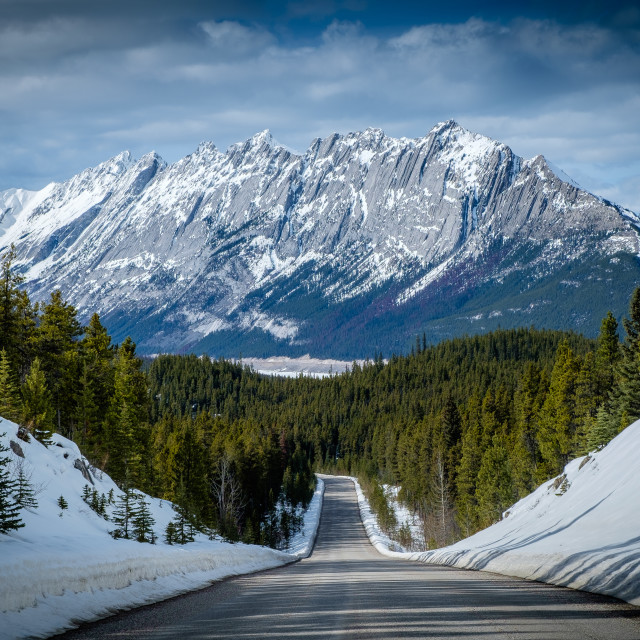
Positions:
{"x": 64, "y": 568}
{"x": 580, "y": 530}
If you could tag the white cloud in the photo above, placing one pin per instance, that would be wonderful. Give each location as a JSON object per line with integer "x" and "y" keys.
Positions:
{"x": 568, "y": 92}
{"x": 233, "y": 39}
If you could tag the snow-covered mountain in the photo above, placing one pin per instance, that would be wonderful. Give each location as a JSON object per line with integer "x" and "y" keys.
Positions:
{"x": 358, "y": 244}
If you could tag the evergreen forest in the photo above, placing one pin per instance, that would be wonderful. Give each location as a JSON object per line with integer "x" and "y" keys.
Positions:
{"x": 465, "y": 427}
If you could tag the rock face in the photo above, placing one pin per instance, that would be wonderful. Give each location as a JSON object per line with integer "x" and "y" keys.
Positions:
{"x": 355, "y": 246}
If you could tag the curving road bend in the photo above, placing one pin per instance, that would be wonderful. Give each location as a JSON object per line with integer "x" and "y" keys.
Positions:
{"x": 347, "y": 590}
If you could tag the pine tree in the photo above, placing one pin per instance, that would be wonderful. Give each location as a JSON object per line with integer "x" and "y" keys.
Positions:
{"x": 9, "y": 508}
{"x": 56, "y": 341}
{"x": 95, "y": 384}
{"x": 603, "y": 430}
{"x": 608, "y": 354}
{"x": 170, "y": 533}
{"x": 495, "y": 483}
{"x": 184, "y": 520}
{"x": 11, "y": 300}
{"x": 62, "y": 504}
{"x": 142, "y": 526}
{"x": 9, "y": 399}
{"x": 37, "y": 412}
{"x": 123, "y": 514}
{"x": 25, "y": 494}
{"x": 624, "y": 405}
{"x": 559, "y": 415}
{"x": 128, "y": 430}
{"x": 466, "y": 479}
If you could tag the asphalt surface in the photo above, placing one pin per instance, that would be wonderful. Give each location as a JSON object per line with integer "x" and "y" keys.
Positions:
{"x": 347, "y": 590}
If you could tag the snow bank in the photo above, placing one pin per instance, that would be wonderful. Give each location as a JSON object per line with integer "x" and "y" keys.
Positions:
{"x": 301, "y": 544}
{"x": 581, "y": 530}
{"x": 64, "y": 568}
{"x": 379, "y": 539}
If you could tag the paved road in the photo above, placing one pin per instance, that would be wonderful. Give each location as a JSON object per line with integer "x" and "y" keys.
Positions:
{"x": 347, "y": 590}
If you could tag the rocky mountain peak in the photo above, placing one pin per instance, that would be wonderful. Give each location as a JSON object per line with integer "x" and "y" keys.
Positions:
{"x": 362, "y": 233}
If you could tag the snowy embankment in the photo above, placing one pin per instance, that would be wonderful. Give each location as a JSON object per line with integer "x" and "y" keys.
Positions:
{"x": 379, "y": 539}
{"x": 301, "y": 544}
{"x": 581, "y": 530}
{"x": 63, "y": 567}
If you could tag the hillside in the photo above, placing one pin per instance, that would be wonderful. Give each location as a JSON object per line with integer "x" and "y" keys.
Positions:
{"x": 579, "y": 530}
{"x": 351, "y": 248}
{"x": 63, "y": 567}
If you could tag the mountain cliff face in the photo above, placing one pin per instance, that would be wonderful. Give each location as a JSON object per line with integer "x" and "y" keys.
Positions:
{"x": 355, "y": 246}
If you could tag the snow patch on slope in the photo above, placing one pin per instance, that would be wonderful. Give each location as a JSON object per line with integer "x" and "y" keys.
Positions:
{"x": 60, "y": 570}
{"x": 579, "y": 530}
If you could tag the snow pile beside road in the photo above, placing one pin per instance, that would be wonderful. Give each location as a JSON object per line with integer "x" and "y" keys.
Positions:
{"x": 379, "y": 539}
{"x": 63, "y": 567}
{"x": 581, "y": 530}
{"x": 301, "y": 544}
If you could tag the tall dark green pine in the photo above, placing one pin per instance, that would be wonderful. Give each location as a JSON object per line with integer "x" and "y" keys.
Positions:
{"x": 466, "y": 480}
{"x": 625, "y": 396}
{"x": 24, "y": 494}
{"x": 524, "y": 452}
{"x": 9, "y": 508}
{"x": 124, "y": 514}
{"x": 608, "y": 355}
{"x": 95, "y": 385}
{"x": 87, "y": 413}
{"x": 143, "y": 521}
{"x": 9, "y": 398}
{"x": 127, "y": 430}
{"x": 9, "y": 300}
{"x": 558, "y": 417}
{"x": 56, "y": 341}
{"x": 495, "y": 490}
{"x": 37, "y": 410}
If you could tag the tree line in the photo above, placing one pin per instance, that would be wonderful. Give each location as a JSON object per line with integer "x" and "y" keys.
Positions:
{"x": 465, "y": 427}
{"x": 242, "y": 477}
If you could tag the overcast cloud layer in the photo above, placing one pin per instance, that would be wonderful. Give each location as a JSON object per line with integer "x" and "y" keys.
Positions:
{"x": 79, "y": 86}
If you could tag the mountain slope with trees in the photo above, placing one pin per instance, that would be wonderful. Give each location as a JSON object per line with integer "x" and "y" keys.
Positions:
{"x": 354, "y": 246}
{"x": 466, "y": 427}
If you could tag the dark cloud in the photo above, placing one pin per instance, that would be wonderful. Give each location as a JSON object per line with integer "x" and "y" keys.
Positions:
{"x": 81, "y": 83}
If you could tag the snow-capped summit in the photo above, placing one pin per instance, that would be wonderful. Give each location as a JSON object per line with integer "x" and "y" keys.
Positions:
{"x": 357, "y": 244}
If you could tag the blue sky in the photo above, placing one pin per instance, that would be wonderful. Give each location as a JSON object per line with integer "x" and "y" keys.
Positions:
{"x": 82, "y": 81}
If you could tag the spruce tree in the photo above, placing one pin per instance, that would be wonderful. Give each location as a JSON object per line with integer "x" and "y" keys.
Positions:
{"x": 9, "y": 398}
{"x": 466, "y": 480}
{"x": 37, "y": 411}
{"x": 559, "y": 415}
{"x": 170, "y": 533}
{"x": 143, "y": 521}
{"x": 625, "y": 395}
{"x": 25, "y": 494}
{"x": 495, "y": 483}
{"x": 127, "y": 427}
{"x": 62, "y": 504}
{"x": 123, "y": 514}
{"x": 9, "y": 507}
{"x": 608, "y": 355}
{"x": 96, "y": 385}
{"x": 11, "y": 303}
{"x": 56, "y": 341}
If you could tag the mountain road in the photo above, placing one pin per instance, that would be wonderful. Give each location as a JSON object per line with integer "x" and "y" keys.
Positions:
{"x": 347, "y": 590}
